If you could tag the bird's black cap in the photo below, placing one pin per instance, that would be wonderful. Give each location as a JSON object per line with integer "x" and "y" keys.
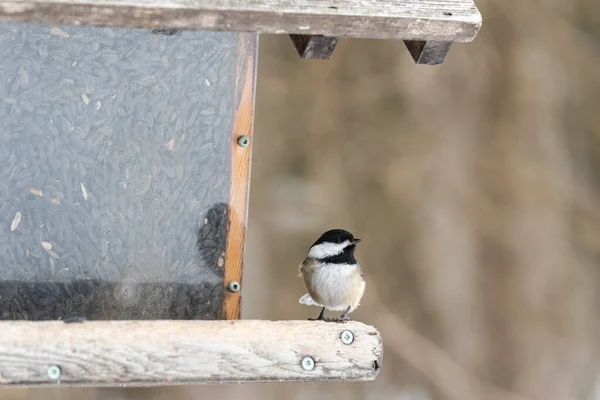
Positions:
{"x": 336, "y": 236}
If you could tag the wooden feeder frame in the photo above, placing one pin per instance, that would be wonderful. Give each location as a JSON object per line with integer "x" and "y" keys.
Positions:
{"x": 159, "y": 352}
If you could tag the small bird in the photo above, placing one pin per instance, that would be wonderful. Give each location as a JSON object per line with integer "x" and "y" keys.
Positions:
{"x": 332, "y": 275}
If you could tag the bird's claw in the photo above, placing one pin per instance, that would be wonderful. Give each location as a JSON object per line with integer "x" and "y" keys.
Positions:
{"x": 338, "y": 320}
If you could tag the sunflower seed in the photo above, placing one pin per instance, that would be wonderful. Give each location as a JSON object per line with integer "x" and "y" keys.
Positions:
{"x": 52, "y": 253}
{"x": 84, "y": 191}
{"x": 56, "y": 31}
{"x": 36, "y": 192}
{"x": 15, "y": 221}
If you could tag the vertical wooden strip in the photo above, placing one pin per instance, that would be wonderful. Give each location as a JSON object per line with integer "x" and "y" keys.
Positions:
{"x": 240, "y": 171}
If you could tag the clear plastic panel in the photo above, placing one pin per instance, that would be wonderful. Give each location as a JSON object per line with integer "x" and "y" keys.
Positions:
{"x": 115, "y": 159}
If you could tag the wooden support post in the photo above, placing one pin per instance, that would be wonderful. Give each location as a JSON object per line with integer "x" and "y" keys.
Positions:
{"x": 149, "y": 353}
{"x": 428, "y": 52}
{"x": 241, "y": 151}
{"x": 316, "y": 47}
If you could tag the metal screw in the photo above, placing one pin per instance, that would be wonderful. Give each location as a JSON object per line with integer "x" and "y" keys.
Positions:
{"x": 234, "y": 286}
{"x": 243, "y": 141}
{"x": 347, "y": 337}
{"x": 308, "y": 363}
{"x": 54, "y": 372}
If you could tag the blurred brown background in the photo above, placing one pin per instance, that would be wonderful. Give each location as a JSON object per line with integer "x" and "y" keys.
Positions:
{"x": 474, "y": 186}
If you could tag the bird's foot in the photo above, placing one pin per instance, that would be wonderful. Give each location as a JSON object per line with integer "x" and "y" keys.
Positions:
{"x": 339, "y": 320}
{"x": 316, "y": 319}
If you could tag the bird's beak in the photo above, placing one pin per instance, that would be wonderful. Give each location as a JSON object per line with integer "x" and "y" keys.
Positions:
{"x": 356, "y": 241}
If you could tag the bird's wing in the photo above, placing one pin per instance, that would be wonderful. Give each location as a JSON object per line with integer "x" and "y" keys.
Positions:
{"x": 306, "y": 265}
{"x": 301, "y": 268}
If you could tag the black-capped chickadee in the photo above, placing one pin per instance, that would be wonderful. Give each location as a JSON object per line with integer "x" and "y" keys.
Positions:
{"x": 332, "y": 275}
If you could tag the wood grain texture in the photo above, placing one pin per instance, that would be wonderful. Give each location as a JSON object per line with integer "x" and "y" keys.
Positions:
{"x": 428, "y": 53}
{"x": 449, "y": 20}
{"x": 147, "y": 353}
{"x": 315, "y": 47}
{"x": 240, "y": 176}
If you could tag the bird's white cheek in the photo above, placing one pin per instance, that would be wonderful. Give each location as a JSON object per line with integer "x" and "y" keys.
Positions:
{"x": 325, "y": 250}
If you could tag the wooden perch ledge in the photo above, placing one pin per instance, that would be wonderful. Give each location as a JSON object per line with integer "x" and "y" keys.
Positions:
{"x": 147, "y": 353}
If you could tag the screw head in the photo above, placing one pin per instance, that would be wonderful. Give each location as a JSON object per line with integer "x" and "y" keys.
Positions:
{"x": 347, "y": 337}
{"x": 234, "y": 286}
{"x": 54, "y": 372}
{"x": 243, "y": 141}
{"x": 308, "y": 363}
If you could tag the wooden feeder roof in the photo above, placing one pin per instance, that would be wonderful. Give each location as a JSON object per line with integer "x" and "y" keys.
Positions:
{"x": 410, "y": 20}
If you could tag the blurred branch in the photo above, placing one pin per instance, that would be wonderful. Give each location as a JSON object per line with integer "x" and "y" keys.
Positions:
{"x": 577, "y": 48}
{"x": 448, "y": 376}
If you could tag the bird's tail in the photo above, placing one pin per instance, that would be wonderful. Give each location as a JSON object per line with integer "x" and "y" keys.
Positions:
{"x": 307, "y": 300}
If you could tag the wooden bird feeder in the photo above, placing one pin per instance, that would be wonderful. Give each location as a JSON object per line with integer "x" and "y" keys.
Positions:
{"x": 125, "y": 138}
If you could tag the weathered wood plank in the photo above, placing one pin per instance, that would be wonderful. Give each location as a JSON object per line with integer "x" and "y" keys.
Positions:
{"x": 147, "y": 353}
{"x": 449, "y": 20}
{"x": 428, "y": 53}
{"x": 315, "y": 47}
